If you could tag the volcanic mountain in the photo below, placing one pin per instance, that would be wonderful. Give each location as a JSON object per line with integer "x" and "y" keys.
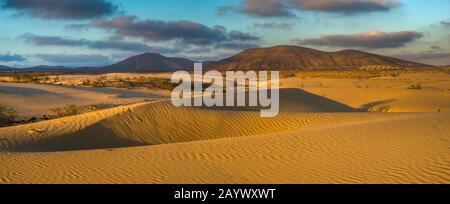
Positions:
{"x": 282, "y": 57}
{"x": 293, "y": 57}
{"x": 150, "y": 62}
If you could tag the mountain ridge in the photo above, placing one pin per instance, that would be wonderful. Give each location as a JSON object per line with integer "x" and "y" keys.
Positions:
{"x": 150, "y": 62}
{"x": 288, "y": 57}
{"x": 282, "y": 57}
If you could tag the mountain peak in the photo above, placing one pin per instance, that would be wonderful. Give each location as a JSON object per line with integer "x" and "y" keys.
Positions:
{"x": 150, "y": 62}
{"x": 150, "y": 54}
{"x": 290, "y": 57}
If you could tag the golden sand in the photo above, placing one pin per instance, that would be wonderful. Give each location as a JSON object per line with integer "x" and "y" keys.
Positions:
{"x": 312, "y": 140}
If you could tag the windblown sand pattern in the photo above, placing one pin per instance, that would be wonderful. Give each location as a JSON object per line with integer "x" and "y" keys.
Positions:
{"x": 312, "y": 140}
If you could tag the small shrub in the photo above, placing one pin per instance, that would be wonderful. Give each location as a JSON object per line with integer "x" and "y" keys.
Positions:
{"x": 7, "y": 116}
{"x": 72, "y": 109}
{"x": 288, "y": 74}
{"x": 86, "y": 82}
{"x": 142, "y": 79}
{"x": 100, "y": 106}
{"x": 68, "y": 110}
{"x": 99, "y": 82}
{"x": 415, "y": 86}
{"x": 33, "y": 119}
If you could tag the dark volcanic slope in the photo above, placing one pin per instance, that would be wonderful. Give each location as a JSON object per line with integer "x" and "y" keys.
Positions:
{"x": 150, "y": 62}
{"x": 294, "y": 57}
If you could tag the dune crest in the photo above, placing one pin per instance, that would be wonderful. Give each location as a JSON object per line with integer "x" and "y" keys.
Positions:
{"x": 312, "y": 140}
{"x": 162, "y": 123}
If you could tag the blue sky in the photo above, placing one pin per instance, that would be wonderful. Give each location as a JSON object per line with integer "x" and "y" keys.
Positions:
{"x": 34, "y": 32}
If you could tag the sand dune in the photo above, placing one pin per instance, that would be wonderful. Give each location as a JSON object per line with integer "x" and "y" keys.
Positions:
{"x": 162, "y": 123}
{"x": 381, "y": 150}
{"x": 383, "y": 94}
{"x": 37, "y": 99}
{"x": 312, "y": 140}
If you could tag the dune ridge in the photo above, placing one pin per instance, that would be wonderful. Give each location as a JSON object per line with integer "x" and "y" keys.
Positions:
{"x": 315, "y": 140}
{"x": 386, "y": 150}
{"x": 161, "y": 123}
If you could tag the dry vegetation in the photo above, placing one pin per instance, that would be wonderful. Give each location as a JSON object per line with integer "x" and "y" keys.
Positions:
{"x": 354, "y": 74}
{"x": 31, "y": 77}
{"x": 7, "y": 115}
{"x": 100, "y": 81}
{"x": 416, "y": 86}
{"x": 118, "y": 82}
{"x": 73, "y": 109}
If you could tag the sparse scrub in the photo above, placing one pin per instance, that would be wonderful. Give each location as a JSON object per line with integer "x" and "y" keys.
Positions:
{"x": 99, "y": 82}
{"x": 101, "y": 106}
{"x": 160, "y": 84}
{"x": 36, "y": 78}
{"x": 359, "y": 74}
{"x": 7, "y": 115}
{"x": 86, "y": 82}
{"x": 68, "y": 110}
{"x": 415, "y": 86}
{"x": 117, "y": 78}
{"x": 129, "y": 83}
{"x": 287, "y": 74}
{"x": 73, "y": 109}
{"x": 46, "y": 79}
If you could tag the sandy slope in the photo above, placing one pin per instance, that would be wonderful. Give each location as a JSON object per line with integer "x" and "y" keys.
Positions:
{"x": 383, "y": 94}
{"x": 313, "y": 140}
{"x": 37, "y": 99}
{"x": 384, "y": 150}
{"x": 160, "y": 123}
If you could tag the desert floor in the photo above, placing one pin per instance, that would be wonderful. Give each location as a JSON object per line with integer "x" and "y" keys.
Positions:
{"x": 329, "y": 130}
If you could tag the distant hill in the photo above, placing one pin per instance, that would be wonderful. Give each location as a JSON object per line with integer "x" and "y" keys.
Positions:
{"x": 5, "y": 68}
{"x": 46, "y": 68}
{"x": 40, "y": 68}
{"x": 273, "y": 58}
{"x": 294, "y": 57}
{"x": 150, "y": 62}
